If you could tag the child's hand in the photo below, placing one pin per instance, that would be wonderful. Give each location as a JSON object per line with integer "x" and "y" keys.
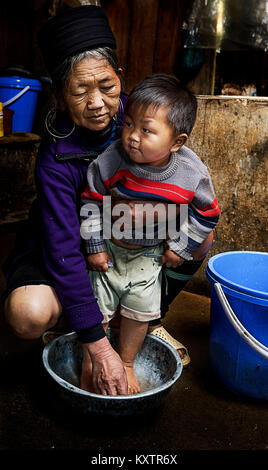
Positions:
{"x": 171, "y": 259}
{"x": 98, "y": 261}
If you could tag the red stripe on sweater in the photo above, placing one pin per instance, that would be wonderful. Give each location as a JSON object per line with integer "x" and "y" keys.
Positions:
{"x": 91, "y": 195}
{"x": 156, "y": 187}
{"x": 170, "y": 196}
{"x": 212, "y": 210}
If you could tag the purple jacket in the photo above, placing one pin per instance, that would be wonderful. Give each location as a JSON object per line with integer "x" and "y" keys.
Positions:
{"x": 60, "y": 179}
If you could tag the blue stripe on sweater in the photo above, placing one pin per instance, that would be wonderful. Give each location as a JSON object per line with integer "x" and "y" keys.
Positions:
{"x": 140, "y": 194}
{"x": 203, "y": 220}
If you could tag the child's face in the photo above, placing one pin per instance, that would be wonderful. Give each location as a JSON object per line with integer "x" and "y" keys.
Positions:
{"x": 147, "y": 136}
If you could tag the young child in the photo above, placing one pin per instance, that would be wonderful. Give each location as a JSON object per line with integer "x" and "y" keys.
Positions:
{"x": 150, "y": 163}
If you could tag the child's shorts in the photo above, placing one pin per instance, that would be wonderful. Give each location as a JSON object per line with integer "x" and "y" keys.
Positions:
{"x": 134, "y": 283}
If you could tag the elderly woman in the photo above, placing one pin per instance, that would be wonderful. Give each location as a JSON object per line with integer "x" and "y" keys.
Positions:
{"x": 47, "y": 275}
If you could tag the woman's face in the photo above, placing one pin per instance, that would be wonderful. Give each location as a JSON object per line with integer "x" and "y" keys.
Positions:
{"x": 91, "y": 96}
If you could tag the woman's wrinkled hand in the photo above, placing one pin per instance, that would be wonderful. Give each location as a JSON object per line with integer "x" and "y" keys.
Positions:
{"x": 108, "y": 372}
{"x": 171, "y": 259}
{"x": 98, "y": 261}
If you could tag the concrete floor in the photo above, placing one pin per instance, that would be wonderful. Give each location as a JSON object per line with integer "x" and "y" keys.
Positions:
{"x": 199, "y": 414}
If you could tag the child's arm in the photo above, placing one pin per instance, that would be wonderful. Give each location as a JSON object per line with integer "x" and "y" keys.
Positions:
{"x": 203, "y": 215}
{"x": 91, "y": 219}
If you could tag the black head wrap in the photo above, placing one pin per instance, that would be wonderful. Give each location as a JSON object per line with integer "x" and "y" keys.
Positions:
{"x": 73, "y": 31}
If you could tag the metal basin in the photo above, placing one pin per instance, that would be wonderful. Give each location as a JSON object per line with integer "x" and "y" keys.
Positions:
{"x": 157, "y": 367}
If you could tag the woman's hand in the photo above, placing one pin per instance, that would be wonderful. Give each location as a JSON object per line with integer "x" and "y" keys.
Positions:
{"x": 108, "y": 372}
{"x": 98, "y": 261}
{"x": 171, "y": 259}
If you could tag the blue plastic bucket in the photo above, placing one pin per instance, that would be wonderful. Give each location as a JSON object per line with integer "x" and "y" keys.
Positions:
{"x": 239, "y": 321}
{"x": 20, "y": 95}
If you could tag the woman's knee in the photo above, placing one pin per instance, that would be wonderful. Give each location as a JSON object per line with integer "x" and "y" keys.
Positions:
{"x": 30, "y": 310}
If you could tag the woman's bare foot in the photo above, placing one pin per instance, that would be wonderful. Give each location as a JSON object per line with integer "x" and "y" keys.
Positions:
{"x": 133, "y": 384}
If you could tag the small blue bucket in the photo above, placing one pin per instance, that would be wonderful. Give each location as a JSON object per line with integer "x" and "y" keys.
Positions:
{"x": 239, "y": 321}
{"x": 20, "y": 95}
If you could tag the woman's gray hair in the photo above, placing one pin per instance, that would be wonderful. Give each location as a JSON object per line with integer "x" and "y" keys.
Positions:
{"x": 63, "y": 72}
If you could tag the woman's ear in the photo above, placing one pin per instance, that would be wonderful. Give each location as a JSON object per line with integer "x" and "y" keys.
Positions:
{"x": 61, "y": 103}
{"x": 62, "y": 106}
{"x": 58, "y": 96}
{"x": 179, "y": 142}
{"x": 121, "y": 77}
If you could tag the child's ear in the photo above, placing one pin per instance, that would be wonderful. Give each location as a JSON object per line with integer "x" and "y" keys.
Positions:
{"x": 179, "y": 142}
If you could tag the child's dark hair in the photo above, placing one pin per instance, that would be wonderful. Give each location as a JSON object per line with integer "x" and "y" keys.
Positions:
{"x": 166, "y": 90}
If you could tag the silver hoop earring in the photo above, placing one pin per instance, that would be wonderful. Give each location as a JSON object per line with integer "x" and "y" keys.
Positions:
{"x": 50, "y": 118}
{"x": 121, "y": 106}
{"x": 119, "y": 110}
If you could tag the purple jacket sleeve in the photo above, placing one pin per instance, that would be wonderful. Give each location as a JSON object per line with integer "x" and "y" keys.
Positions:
{"x": 61, "y": 246}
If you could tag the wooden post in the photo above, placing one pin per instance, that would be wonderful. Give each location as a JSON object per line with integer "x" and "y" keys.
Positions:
{"x": 141, "y": 40}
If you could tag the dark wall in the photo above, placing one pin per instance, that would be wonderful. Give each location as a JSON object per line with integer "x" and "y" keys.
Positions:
{"x": 19, "y": 22}
{"x": 148, "y": 34}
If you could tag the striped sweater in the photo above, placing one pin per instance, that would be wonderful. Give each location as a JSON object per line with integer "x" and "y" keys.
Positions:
{"x": 184, "y": 180}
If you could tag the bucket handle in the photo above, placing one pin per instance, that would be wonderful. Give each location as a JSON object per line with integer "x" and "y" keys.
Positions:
{"x": 22, "y": 92}
{"x": 241, "y": 330}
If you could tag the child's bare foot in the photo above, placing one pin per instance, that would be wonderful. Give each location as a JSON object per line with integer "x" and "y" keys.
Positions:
{"x": 133, "y": 384}
{"x": 86, "y": 373}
